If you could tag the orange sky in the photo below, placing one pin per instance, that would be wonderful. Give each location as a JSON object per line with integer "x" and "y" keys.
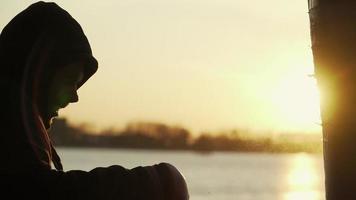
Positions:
{"x": 202, "y": 64}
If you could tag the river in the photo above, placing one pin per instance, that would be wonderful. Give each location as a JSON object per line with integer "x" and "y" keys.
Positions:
{"x": 220, "y": 176}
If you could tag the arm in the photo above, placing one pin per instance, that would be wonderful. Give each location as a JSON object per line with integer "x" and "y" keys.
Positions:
{"x": 157, "y": 182}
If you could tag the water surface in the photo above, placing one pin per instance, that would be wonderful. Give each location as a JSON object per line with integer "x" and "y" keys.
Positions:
{"x": 220, "y": 176}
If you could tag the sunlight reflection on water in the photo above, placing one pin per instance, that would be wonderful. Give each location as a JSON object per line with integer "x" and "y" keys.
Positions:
{"x": 302, "y": 179}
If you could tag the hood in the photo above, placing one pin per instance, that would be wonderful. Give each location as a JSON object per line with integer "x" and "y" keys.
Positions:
{"x": 33, "y": 45}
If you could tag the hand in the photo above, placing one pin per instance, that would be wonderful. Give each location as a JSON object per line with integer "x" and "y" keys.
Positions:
{"x": 173, "y": 182}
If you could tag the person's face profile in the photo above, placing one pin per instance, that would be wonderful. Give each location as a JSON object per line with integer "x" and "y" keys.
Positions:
{"x": 62, "y": 90}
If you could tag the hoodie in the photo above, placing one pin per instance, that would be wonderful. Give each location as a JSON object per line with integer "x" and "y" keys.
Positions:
{"x": 33, "y": 45}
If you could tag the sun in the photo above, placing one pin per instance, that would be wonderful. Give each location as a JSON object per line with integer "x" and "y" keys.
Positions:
{"x": 296, "y": 99}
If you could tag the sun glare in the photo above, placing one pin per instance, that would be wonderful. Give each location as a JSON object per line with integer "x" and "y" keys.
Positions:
{"x": 296, "y": 98}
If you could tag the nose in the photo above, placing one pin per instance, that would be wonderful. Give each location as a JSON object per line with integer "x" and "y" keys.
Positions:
{"x": 74, "y": 97}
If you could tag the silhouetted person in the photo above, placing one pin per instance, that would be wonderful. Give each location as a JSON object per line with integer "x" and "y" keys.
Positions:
{"x": 44, "y": 58}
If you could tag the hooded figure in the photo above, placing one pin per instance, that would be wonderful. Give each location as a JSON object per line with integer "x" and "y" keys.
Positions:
{"x": 45, "y": 57}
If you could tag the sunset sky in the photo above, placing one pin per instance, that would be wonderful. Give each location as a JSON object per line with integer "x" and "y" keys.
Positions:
{"x": 207, "y": 65}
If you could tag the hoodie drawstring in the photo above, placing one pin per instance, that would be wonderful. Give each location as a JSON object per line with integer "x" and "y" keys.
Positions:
{"x": 56, "y": 159}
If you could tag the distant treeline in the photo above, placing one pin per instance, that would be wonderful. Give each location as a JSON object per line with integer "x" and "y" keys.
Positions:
{"x": 160, "y": 136}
